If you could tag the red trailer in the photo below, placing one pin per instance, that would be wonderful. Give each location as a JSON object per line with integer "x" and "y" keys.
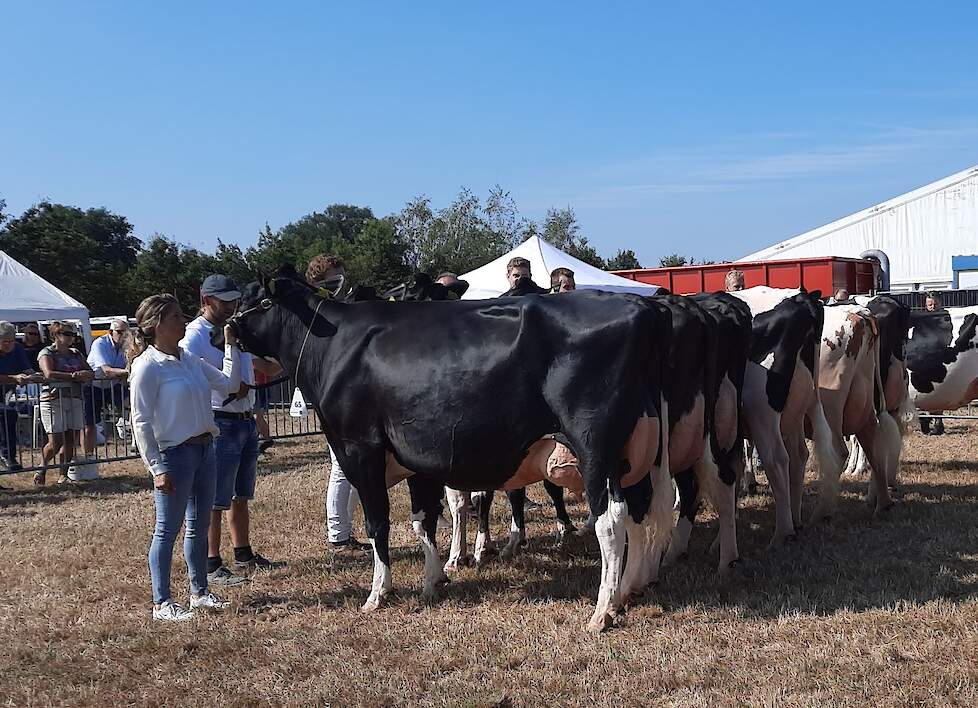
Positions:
{"x": 857, "y": 275}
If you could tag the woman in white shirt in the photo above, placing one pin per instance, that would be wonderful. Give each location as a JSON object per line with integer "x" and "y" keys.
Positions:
{"x": 170, "y": 396}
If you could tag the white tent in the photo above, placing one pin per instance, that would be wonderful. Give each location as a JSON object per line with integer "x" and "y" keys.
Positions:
{"x": 490, "y": 280}
{"x": 27, "y": 297}
{"x": 919, "y": 231}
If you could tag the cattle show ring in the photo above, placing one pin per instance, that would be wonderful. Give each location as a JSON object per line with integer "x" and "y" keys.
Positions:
{"x": 751, "y": 482}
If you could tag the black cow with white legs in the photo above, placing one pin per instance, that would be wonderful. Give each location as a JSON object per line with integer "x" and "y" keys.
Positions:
{"x": 456, "y": 393}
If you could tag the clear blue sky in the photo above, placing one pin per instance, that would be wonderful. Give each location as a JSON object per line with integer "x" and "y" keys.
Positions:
{"x": 711, "y": 129}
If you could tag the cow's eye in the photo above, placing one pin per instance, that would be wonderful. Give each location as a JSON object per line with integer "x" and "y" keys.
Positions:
{"x": 266, "y": 304}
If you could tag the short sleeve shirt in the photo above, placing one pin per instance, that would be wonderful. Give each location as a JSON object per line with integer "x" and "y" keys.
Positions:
{"x": 68, "y": 362}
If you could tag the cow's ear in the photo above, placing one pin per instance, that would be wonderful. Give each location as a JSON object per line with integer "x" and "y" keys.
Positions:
{"x": 815, "y": 294}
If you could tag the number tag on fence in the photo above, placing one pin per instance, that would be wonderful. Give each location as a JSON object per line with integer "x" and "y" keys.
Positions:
{"x": 298, "y": 409}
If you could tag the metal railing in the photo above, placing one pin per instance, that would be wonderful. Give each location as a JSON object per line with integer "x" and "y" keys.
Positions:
{"x": 98, "y": 417}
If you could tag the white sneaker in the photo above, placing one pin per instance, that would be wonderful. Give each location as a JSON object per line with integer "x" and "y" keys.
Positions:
{"x": 208, "y": 601}
{"x": 170, "y": 611}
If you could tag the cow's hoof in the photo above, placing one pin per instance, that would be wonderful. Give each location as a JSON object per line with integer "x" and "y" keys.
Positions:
{"x": 452, "y": 565}
{"x": 584, "y": 531}
{"x": 600, "y": 623}
{"x": 883, "y": 510}
{"x": 372, "y": 604}
{"x": 442, "y": 581}
{"x": 752, "y": 489}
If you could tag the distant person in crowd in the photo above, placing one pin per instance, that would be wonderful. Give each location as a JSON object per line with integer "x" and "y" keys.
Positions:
{"x": 935, "y": 425}
{"x": 521, "y": 279}
{"x": 341, "y": 497}
{"x": 562, "y": 280}
{"x": 108, "y": 361}
{"x": 734, "y": 281}
{"x": 15, "y": 370}
{"x": 62, "y": 410}
{"x": 33, "y": 343}
{"x": 456, "y": 287}
{"x": 841, "y": 297}
{"x": 170, "y": 394}
{"x": 329, "y": 271}
{"x": 237, "y": 445}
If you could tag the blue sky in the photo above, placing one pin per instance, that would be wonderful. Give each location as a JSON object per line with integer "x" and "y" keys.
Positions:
{"x": 711, "y": 129}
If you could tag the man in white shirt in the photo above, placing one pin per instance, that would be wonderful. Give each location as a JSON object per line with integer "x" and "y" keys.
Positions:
{"x": 108, "y": 360}
{"x": 237, "y": 445}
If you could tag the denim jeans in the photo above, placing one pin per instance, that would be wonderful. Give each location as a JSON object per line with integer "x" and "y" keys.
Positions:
{"x": 191, "y": 468}
{"x": 237, "y": 461}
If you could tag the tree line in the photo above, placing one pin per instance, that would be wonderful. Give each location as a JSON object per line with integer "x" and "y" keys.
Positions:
{"x": 93, "y": 254}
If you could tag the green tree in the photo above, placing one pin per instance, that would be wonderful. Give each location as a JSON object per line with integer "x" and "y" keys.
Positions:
{"x": 377, "y": 256}
{"x": 561, "y": 229}
{"x": 165, "y": 266}
{"x": 458, "y": 238}
{"x": 674, "y": 261}
{"x": 623, "y": 260}
{"x": 85, "y": 253}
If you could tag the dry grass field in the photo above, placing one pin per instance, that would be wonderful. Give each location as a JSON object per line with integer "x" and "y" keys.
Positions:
{"x": 858, "y": 612}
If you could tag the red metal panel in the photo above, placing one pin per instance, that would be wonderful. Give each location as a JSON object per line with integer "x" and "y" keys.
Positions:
{"x": 686, "y": 281}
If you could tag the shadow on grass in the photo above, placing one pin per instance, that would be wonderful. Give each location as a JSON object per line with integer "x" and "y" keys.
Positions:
{"x": 921, "y": 550}
{"x": 53, "y": 493}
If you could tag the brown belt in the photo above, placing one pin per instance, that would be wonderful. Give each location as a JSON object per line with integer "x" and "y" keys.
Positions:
{"x": 203, "y": 439}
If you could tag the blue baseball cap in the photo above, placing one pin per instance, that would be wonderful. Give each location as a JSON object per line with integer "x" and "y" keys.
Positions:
{"x": 221, "y": 287}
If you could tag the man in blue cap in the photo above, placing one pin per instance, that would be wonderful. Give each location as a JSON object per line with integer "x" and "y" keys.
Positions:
{"x": 237, "y": 445}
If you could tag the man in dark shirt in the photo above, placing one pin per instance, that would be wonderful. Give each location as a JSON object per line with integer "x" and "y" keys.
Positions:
{"x": 15, "y": 370}
{"x": 33, "y": 344}
{"x": 520, "y": 279}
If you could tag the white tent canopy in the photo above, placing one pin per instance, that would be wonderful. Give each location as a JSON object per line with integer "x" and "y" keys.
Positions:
{"x": 27, "y": 297}
{"x": 490, "y": 280}
{"x": 920, "y": 231}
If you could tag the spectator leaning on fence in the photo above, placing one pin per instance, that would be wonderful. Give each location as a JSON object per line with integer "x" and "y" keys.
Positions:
{"x": 62, "y": 413}
{"x": 108, "y": 361}
{"x": 15, "y": 370}
{"x": 32, "y": 343}
{"x": 170, "y": 397}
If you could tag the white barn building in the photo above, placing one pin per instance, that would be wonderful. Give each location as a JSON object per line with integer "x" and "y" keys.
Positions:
{"x": 930, "y": 236}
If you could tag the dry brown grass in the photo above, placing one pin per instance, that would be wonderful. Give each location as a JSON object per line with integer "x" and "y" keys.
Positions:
{"x": 857, "y": 612}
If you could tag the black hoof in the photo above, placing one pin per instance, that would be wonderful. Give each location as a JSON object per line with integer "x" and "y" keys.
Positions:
{"x": 791, "y": 538}
{"x": 490, "y": 553}
{"x": 734, "y": 563}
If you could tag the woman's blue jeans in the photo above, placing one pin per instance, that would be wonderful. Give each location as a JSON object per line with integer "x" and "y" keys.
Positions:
{"x": 192, "y": 470}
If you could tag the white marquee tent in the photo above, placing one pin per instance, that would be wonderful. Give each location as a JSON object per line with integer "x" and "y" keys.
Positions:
{"x": 919, "y": 231}
{"x": 27, "y": 297}
{"x": 490, "y": 280}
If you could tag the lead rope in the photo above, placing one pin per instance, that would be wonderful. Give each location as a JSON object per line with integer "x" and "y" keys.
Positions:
{"x": 306, "y": 338}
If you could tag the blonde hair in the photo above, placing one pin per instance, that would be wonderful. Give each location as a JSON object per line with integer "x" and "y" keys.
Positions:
{"x": 734, "y": 278}
{"x": 148, "y": 316}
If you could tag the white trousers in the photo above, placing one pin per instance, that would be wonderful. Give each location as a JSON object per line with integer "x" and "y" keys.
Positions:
{"x": 341, "y": 503}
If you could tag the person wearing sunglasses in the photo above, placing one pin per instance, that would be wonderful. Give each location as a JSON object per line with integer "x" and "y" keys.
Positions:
{"x": 15, "y": 370}
{"x": 62, "y": 411}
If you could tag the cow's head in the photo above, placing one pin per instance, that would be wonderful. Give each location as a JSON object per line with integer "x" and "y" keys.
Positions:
{"x": 258, "y": 322}
{"x": 423, "y": 287}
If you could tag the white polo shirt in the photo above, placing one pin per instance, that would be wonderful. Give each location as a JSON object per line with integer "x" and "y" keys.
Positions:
{"x": 170, "y": 399}
{"x": 197, "y": 340}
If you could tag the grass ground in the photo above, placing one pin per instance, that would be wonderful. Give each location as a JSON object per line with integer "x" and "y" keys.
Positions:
{"x": 857, "y": 612}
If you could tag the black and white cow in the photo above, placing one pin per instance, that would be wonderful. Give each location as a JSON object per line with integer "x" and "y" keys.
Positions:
{"x": 781, "y": 396}
{"x": 462, "y": 405}
{"x": 728, "y": 346}
{"x": 943, "y": 359}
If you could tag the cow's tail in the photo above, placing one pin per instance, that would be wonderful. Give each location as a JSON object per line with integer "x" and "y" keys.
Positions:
{"x": 826, "y": 455}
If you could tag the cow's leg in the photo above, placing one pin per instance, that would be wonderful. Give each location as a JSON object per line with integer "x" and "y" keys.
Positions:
{"x": 773, "y": 452}
{"x": 723, "y": 497}
{"x": 482, "y": 501}
{"x": 638, "y": 500}
{"x": 458, "y": 506}
{"x": 852, "y": 461}
{"x": 688, "y": 504}
{"x": 425, "y": 510}
{"x": 882, "y": 442}
{"x": 517, "y": 528}
{"x": 610, "y": 530}
{"x": 830, "y": 450}
{"x": 565, "y": 527}
{"x": 370, "y": 480}
{"x": 748, "y": 482}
